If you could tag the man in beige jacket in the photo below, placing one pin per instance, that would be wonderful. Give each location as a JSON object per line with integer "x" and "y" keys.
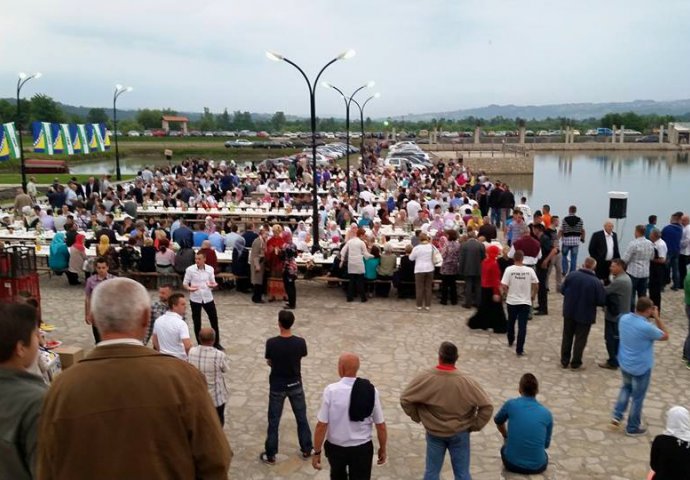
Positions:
{"x": 450, "y": 405}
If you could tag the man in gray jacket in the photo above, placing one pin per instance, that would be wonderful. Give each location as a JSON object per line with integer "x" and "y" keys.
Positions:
{"x": 22, "y": 392}
{"x": 618, "y": 294}
{"x": 471, "y": 255}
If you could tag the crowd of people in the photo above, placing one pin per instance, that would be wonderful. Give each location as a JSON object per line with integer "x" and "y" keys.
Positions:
{"x": 465, "y": 231}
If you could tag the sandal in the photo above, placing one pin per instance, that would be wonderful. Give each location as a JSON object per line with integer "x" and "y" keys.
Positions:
{"x": 266, "y": 459}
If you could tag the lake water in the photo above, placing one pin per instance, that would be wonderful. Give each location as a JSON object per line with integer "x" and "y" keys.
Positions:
{"x": 656, "y": 184}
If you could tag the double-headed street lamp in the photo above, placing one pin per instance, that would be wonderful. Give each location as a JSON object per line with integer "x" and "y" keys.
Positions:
{"x": 312, "y": 94}
{"x": 348, "y": 100}
{"x": 23, "y": 78}
{"x": 119, "y": 90}
{"x": 361, "y": 120}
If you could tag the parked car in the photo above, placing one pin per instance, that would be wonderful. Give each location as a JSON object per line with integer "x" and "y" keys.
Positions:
{"x": 604, "y": 132}
{"x": 592, "y": 132}
{"x": 174, "y": 133}
{"x": 269, "y": 145}
{"x": 240, "y": 143}
{"x": 158, "y": 133}
{"x": 648, "y": 139}
{"x": 133, "y": 133}
{"x": 196, "y": 133}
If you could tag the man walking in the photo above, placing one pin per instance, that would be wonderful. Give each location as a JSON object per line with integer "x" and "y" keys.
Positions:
{"x": 528, "y": 434}
{"x": 618, "y": 294}
{"x": 603, "y": 247}
{"x": 519, "y": 286}
{"x": 583, "y": 292}
{"x": 638, "y": 332}
{"x": 101, "y": 267}
{"x": 637, "y": 256}
{"x": 672, "y": 235}
{"x": 199, "y": 279}
{"x": 348, "y": 410}
{"x": 470, "y": 268}
{"x": 171, "y": 333}
{"x": 572, "y": 234}
{"x": 124, "y": 399}
{"x": 213, "y": 364}
{"x": 450, "y": 405}
{"x": 548, "y": 254}
{"x": 284, "y": 355}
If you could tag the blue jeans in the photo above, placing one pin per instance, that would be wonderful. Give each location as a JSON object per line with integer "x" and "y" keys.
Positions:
{"x": 639, "y": 288}
{"x": 573, "y": 258}
{"x": 457, "y": 445}
{"x": 634, "y": 387}
{"x": 672, "y": 268}
{"x": 496, "y": 216}
{"x": 276, "y": 400}
{"x": 519, "y": 313}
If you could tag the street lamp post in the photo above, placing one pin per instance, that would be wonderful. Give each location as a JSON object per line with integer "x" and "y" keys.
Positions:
{"x": 312, "y": 101}
{"x": 361, "y": 120}
{"x": 348, "y": 100}
{"x": 23, "y": 78}
{"x": 119, "y": 90}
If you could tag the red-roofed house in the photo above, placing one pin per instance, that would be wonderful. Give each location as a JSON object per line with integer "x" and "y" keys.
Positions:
{"x": 167, "y": 119}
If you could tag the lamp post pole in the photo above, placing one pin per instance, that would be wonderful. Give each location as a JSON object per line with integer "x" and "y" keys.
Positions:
{"x": 23, "y": 78}
{"x": 312, "y": 104}
{"x": 119, "y": 90}
{"x": 348, "y": 101}
{"x": 361, "y": 120}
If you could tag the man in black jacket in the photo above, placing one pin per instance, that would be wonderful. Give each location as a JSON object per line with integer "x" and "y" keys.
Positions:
{"x": 603, "y": 247}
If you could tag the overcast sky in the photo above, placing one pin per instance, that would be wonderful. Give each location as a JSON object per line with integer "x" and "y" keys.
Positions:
{"x": 425, "y": 55}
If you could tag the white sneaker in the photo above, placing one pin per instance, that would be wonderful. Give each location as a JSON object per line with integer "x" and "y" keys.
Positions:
{"x": 419, "y": 308}
{"x": 427, "y": 308}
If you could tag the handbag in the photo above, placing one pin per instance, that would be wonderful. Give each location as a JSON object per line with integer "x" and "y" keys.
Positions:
{"x": 436, "y": 257}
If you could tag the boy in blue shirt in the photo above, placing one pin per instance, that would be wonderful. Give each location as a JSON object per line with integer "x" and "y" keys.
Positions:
{"x": 531, "y": 424}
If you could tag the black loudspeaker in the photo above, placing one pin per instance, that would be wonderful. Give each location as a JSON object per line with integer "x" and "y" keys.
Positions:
{"x": 618, "y": 207}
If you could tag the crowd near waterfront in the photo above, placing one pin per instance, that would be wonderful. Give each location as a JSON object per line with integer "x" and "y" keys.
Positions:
{"x": 203, "y": 230}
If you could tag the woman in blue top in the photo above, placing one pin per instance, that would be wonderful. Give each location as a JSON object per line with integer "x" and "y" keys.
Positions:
{"x": 370, "y": 266}
{"x": 58, "y": 261}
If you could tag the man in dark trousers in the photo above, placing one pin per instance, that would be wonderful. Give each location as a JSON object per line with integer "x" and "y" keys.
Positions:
{"x": 284, "y": 355}
{"x": 618, "y": 294}
{"x": 583, "y": 293}
{"x": 548, "y": 254}
{"x": 603, "y": 247}
{"x": 470, "y": 267}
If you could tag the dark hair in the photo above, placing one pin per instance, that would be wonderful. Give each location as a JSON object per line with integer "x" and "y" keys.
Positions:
{"x": 538, "y": 226}
{"x": 18, "y": 321}
{"x": 163, "y": 244}
{"x": 100, "y": 260}
{"x": 572, "y": 209}
{"x": 640, "y": 229}
{"x": 529, "y": 385}
{"x": 519, "y": 255}
{"x": 652, "y": 219}
{"x": 448, "y": 353}
{"x": 172, "y": 299}
{"x": 286, "y": 319}
{"x": 452, "y": 235}
{"x": 620, "y": 262}
{"x": 376, "y": 251}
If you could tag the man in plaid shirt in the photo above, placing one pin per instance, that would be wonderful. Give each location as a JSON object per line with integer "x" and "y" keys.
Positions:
{"x": 637, "y": 256}
{"x": 212, "y": 363}
{"x": 158, "y": 308}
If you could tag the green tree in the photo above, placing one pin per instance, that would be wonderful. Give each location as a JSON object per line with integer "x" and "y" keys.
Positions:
{"x": 208, "y": 121}
{"x": 278, "y": 121}
{"x": 149, "y": 118}
{"x": 45, "y": 109}
{"x": 7, "y": 111}
{"x": 97, "y": 115}
{"x": 223, "y": 121}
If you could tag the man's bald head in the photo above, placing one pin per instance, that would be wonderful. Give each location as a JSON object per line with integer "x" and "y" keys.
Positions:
{"x": 207, "y": 336}
{"x": 348, "y": 365}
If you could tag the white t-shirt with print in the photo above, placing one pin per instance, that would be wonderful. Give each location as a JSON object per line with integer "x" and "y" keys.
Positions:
{"x": 519, "y": 280}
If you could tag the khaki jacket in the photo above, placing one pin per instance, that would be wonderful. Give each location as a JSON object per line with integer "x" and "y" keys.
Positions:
{"x": 128, "y": 412}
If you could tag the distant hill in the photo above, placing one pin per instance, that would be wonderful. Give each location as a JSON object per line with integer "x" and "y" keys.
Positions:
{"x": 576, "y": 111}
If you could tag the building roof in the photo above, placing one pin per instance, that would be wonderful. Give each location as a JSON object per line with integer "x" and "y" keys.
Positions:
{"x": 170, "y": 118}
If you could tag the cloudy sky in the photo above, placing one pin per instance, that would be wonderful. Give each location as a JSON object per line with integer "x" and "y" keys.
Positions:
{"x": 425, "y": 55}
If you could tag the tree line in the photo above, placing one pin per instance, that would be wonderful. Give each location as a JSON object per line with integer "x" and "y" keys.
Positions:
{"x": 43, "y": 108}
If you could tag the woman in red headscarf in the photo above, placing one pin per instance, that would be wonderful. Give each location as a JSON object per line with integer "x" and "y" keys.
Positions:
{"x": 274, "y": 265}
{"x": 490, "y": 313}
{"x": 77, "y": 257}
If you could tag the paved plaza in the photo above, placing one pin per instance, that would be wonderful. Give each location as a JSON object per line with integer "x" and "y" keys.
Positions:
{"x": 395, "y": 341}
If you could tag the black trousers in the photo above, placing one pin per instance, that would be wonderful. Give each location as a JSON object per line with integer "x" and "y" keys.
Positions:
{"x": 221, "y": 414}
{"x": 257, "y": 292}
{"x": 449, "y": 289}
{"x": 574, "y": 341}
{"x": 542, "y": 293}
{"x": 356, "y": 285}
{"x": 96, "y": 334}
{"x": 602, "y": 270}
{"x": 683, "y": 261}
{"x": 210, "y": 309}
{"x": 72, "y": 278}
{"x": 473, "y": 291}
{"x": 290, "y": 289}
{"x": 353, "y": 463}
{"x": 657, "y": 273}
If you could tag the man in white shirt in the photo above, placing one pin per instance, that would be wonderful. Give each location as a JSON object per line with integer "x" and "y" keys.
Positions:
{"x": 413, "y": 207}
{"x": 170, "y": 332}
{"x": 199, "y": 279}
{"x": 347, "y": 413}
{"x": 657, "y": 267}
{"x": 684, "y": 257}
{"x": 519, "y": 285}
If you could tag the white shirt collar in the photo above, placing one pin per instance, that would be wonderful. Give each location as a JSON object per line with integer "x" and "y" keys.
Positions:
{"x": 121, "y": 341}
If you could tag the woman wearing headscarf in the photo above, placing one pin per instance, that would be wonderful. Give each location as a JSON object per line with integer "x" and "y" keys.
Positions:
{"x": 288, "y": 255}
{"x": 400, "y": 219}
{"x": 385, "y": 271}
{"x": 240, "y": 265}
{"x": 77, "y": 257}
{"x": 490, "y": 313}
{"x": 670, "y": 456}
{"x": 58, "y": 261}
{"x": 107, "y": 251}
{"x": 274, "y": 264}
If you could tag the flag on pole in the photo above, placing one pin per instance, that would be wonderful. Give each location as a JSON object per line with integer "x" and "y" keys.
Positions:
{"x": 11, "y": 139}
{"x": 43, "y": 137}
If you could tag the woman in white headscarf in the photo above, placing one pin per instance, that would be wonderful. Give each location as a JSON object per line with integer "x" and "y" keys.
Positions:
{"x": 670, "y": 458}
